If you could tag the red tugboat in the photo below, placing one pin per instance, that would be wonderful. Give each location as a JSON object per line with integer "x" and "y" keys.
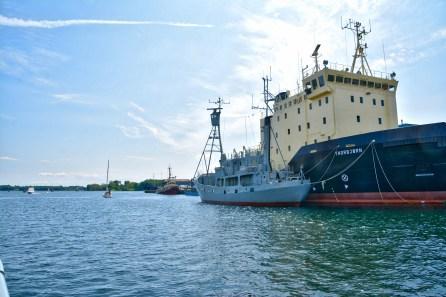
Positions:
{"x": 170, "y": 187}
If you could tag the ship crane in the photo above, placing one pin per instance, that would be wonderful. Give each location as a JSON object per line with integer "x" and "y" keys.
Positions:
{"x": 360, "y": 44}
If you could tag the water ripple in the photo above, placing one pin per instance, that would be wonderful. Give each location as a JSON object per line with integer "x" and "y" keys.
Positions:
{"x": 79, "y": 244}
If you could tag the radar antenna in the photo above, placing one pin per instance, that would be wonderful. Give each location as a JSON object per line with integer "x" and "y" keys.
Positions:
{"x": 213, "y": 143}
{"x": 359, "y": 32}
{"x": 315, "y": 54}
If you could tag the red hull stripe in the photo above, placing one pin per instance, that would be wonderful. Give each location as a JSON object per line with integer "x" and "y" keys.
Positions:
{"x": 262, "y": 204}
{"x": 437, "y": 198}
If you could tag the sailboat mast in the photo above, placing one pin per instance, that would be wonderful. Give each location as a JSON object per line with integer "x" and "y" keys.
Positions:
{"x": 108, "y": 166}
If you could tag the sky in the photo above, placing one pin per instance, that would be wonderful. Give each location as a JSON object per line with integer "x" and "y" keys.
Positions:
{"x": 83, "y": 82}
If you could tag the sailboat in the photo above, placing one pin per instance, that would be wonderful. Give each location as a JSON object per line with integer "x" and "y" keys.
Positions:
{"x": 107, "y": 193}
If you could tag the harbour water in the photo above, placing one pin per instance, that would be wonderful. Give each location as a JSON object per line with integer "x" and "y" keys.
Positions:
{"x": 136, "y": 244}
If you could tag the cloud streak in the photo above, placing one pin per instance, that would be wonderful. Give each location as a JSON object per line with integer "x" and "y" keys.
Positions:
{"x": 6, "y": 158}
{"x": 47, "y": 24}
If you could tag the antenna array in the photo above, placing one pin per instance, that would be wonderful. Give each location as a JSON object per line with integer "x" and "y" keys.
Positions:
{"x": 359, "y": 32}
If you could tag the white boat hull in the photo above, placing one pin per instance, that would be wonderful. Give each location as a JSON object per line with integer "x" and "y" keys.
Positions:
{"x": 286, "y": 193}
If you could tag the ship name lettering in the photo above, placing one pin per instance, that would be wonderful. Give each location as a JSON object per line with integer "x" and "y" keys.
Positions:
{"x": 348, "y": 152}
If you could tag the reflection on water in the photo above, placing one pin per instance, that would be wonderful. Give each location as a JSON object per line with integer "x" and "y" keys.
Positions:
{"x": 136, "y": 244}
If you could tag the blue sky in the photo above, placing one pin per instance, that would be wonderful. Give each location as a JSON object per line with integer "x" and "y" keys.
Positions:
{"x": 86, "y": 81}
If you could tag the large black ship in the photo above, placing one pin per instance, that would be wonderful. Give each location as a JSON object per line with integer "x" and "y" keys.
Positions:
{"x": 341, "y": 130}
{"x": 402, "y": 166}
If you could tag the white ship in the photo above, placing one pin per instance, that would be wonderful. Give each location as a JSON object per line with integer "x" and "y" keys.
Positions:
{"x": 30, "y": 190}
{"x": 246, "y": 178}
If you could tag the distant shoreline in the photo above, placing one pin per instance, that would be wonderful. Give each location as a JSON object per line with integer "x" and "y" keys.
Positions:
{"x": 146, "y": 185}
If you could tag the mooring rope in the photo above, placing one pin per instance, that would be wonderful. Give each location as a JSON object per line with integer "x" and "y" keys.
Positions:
{"x": 322, "y": 160}
{"x": 387, "y": 179}
{"x": 346, "y": 168}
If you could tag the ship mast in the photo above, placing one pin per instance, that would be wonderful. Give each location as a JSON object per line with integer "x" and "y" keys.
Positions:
{"x": 360, "y": 44}
{"x": 213, "y": 143}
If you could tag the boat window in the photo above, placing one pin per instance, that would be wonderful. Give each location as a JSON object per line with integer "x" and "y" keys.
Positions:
{"x": 300, "y": 128}
{"x": 374, "y": 101}
{"x": 370, "y": 84}
{"x": 347, "y": 80}
{"x": 355, "y": 82}
{"x": 308, "y": 125}
{"x": 352, "y": 98}
{"x": 285, "y": 115}
{"x": 289, "y": 131}
{"x": 289, "y": 148}
{"x": 392, "y": 88}
{"x": 363, "y": 83}
{"x": 382, "y": 102}
{"x": 330, "y": 77}
{"x": 358, "y": 119}
{"x": 380, "y": 121}
{"x": 378, "y": 86}
{"x": 298, "y": 110}
{"x": 314, "y": 84}
{"x": 385, "y": 86}
{"x": 246, "y": 180}
{"x": 321, "y": 81}
{"x": 231, "y": 181}
{"x": 320, "y": 102}
{"x": 311, "y": 106}
{"x": 361, "y": 100}
{"x": 326, "y": 100}
{"x": 324, "y": 120}
{"x": 339, "y": 79}
{"x": 315, "y": 141}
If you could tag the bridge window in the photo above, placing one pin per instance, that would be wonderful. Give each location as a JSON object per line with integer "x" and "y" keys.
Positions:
{"x": 347, "y": 80}
{"x": 339, "y": 79}
{"x": 355, "y": 82}
{"x": 363, "y": 83}
{"x": 385, "y": 86}
{"x": 321, "y": 81}
{"x": 370, "y": 84}
{"x": 378, "y": 86}
{"x": 314, "y": 84}
{"x": 330, "y": 77}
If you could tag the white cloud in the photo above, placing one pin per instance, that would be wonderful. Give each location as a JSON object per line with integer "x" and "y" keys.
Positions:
{"x": 130, "y": 132}
{"x": 46, "y": 24}
{"x": 69, "y": 174}
{"x": 71, "y": 98}
{"x": 136, "y": 106}
{"x": 161, "y": 134}
{"x": 53, "y": 174}
{"x": 139, "y": 158}
{"x": 6, "y": 158}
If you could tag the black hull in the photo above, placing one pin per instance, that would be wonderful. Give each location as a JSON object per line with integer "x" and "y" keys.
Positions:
{"x": 403, "y": 166}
